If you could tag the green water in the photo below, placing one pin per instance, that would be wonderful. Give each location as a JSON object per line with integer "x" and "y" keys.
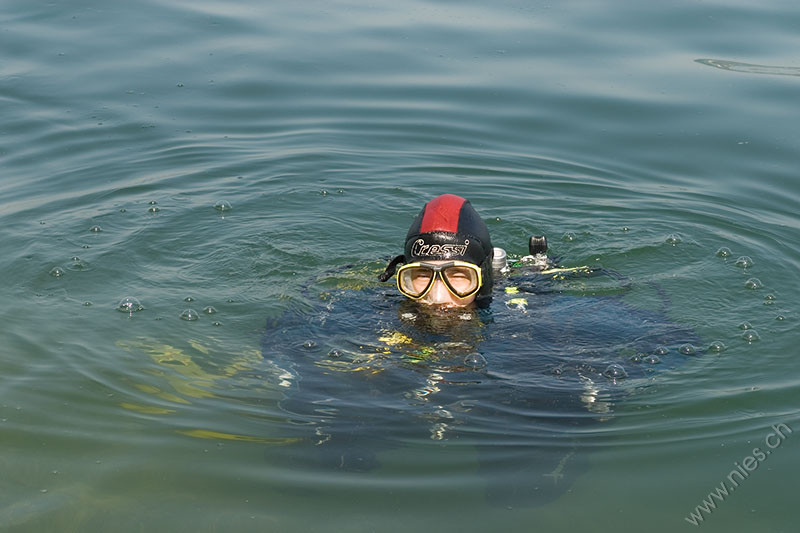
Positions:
{"x": 637, "y": 136}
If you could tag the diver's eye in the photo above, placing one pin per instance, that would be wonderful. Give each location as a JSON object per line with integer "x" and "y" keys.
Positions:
{"x": 414, "y": 281}
{"x": 461, "y": 279}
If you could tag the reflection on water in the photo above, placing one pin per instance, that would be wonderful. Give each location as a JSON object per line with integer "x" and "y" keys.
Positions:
{"x": 750, "y": 68}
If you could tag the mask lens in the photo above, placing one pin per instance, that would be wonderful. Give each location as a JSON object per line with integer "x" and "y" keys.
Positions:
{"x": 461, "y": 280}
{"x": 414, "y": 281}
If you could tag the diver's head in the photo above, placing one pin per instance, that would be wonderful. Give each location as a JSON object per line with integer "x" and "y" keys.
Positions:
{"x": 448, "y": 256}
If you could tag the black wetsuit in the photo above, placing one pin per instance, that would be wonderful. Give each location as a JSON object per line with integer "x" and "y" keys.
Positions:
{"x": 371, "y": 370}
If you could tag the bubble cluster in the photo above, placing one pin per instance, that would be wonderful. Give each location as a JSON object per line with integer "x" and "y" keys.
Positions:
{"x": 744, "y": 262}
{"x": 753, "y": 284}
{"x": 724, "y": 252}
{"x": 769, "y": 299}
{"x": 129, "y": 305}
{"x": 190, "y": 315}
{"x": 475, "y": 360}
{"x": 615, "y": 371}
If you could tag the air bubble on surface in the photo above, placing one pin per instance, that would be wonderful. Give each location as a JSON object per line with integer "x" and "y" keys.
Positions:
{"x": 651, "y": 359}
{"x": 57, "y": 272}
{"x": 615, "y": 371}
{"x": 753, "y": 284}
{"x": 78, "y": 265}
{"x": 780, "y": 318}
{"x": 769, "y": 299}
{"x": 673, "y": 239}
{"x": 744, "y": 262}
{"x": 129, "y": 305}
{"x": 717, "y": 347}
{"x": 745, "y": 325}
{"x": 724, "y": 252}
{"x": 309, "y": 345}
{"x": 687, "y": 349}
{"x": 568, "y": 237}
{"x": 661, "y": 350}
{"x": 751, "y": 336}
{"x": 153, "y": 209}
{"x": 95, "y": 229}
{"x": 209, "y": 310}
{"x": 190, "y": 315}
{"x": 188, "y": 299}
{"x": 474, "y": 360}
{"x": 222, "y": 205}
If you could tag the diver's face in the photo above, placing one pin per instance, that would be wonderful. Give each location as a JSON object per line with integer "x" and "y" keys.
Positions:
{"x": 439, "y": 293}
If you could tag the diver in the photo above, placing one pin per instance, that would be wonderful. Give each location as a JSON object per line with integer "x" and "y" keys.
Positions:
{"x": 367, "y": 370}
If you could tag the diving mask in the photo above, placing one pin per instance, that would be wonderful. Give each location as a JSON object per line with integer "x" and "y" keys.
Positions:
{"x": 462, "y": 279}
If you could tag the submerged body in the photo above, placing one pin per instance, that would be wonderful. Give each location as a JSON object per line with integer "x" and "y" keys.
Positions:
{"x": 369, "y": 371}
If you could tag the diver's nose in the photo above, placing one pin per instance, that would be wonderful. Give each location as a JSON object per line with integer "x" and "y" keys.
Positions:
{"x": 439, "y": 293}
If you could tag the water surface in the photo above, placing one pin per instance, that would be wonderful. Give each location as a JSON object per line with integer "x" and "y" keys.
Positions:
{"x": 639, "y": 137}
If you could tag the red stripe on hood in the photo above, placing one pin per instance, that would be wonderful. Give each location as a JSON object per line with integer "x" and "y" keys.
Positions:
{"x": 442, "y": 213}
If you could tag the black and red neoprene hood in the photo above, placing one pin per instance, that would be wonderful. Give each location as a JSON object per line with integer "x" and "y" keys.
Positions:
{"x": 448, "y": 227}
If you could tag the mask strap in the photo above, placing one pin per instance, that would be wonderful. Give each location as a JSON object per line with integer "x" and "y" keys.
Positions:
{"x": 392, "y": 267}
